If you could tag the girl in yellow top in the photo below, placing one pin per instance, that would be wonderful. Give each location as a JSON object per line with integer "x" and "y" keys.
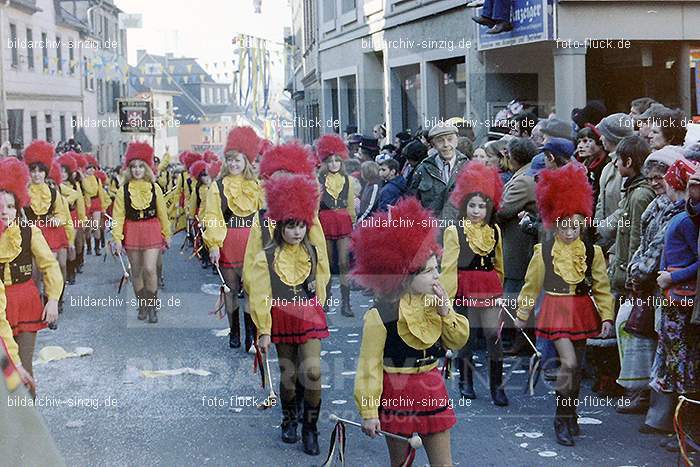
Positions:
{"x": 398, "y": 387}
{"x": 96, "y": 201}
{"x": 141, "y": 225}
{"x": 288, "y": 280}
{"x": 23, "y": 246}
{"x": 231, "y": 204}
{"x": 199, "y": 173}
{"x": 337, "y": 210}
{"x": 70, "y": 188}
{"x": 472, "y": 270}
{"x": 576, "y": 287}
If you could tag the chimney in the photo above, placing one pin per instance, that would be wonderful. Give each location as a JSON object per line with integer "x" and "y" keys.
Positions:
{"x": 139, "y": 54}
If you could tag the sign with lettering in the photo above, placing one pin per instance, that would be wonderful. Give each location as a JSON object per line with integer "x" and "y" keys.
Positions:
{"x": 533, "y": 21}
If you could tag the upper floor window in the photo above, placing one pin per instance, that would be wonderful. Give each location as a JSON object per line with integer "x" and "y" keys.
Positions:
{"x": 14, "y": 45}
{"x": 30, "y": 50}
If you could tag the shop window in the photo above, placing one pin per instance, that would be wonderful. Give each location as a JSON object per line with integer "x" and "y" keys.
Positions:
{"x": 411, "y": 109}
{"x": 452, "y": 88}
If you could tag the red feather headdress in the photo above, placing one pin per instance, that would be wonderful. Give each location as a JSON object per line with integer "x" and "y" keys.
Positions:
{"x": 81, "y": 161}
{"x": 391, "y": 246}
{"x": 476, "y": 177}
{"x": 69, "y": 161}
{"x": 214, "y": 168}
{"x": 190, "y": 158}
{"x": 330, "y": 145}
{"x": 197, "y": 169}
{"x": 291, "y": 157}
{"x": 55, "y": 172}
{"x": 139, "y": 151}
{"x": 210, "y": 156}
{"x": 39, "y": 152}
{"x": 91, "y": 161}
{"x": 14, "y": 178}
{"x": 243, "y": 139}
{"x": 292, "y": 197}
{"x": 563, "y": 192}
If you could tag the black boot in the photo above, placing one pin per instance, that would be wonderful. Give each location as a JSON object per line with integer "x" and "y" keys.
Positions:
{"x": 561, "y": 423}
{"x": 289, "y": 422}
{"x": 234, "y": 336}
{"x": 250, "y": 331}
{"x": 574, "y": 429}
{"x": 498, "y": 395}
{"x": 300, "y": 400}
{"x": 70, "y": 271}
{"x": 345, "y": 309}
{"x": 80, "y": 260}
{"x": 466, "y": 377}
{"x": 327, "y": 305}
{"x": 140, "y": 300}
{"x": 152, "y": 298}
{"x": 309, "y": 432}
{"x": 88, "y": 244}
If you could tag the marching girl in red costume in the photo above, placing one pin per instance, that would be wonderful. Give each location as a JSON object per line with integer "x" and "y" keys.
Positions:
{"x": 337, "y": 211}
{"x": 398, "y": 387}
{"x": 141, "y": 226}
{"x": 23, "y": 246}
{"x": 288, "y": 280}
{"x": 95, "y": 202}
{"x": 231, "y": 205}
{"x": 107, "y": 206}
{"x": 47, "y": 208}
{"x": 77, "y": 183}
{"x": 70, "y": 188}
{"x": 572, "y": 273}
{"x": 472, "y": 270}
{"x": 199, "y": 172}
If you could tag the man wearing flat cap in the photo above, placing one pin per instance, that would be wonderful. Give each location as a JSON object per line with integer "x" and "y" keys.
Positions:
{"x": 434, "y": 177}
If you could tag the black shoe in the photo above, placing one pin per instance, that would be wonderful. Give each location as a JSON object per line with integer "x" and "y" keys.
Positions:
{"x": 345, "y": 309}
{"x": 143, "y": 311}
{"x": 498, "y": 395}
{"x": 309, "y": 431}
{"x": 466, "y": 378}
{"x": 250, "y": 331}
{"x": 500, "y": 27}
{"x": 289, "y": 422}
{"x": 484, "y": 21}
{"x": 561, "y": 423}
{"x": 151, "y": 305}
{"x": 234, "y": 335}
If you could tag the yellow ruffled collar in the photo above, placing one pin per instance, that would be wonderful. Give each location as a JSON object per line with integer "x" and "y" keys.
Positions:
{"x": 10, "y": 243}
{"x": 91, "y": 186}
{"x": 40, "y": 195}
{"x": 569, "y": 260}
{"x": 141, "y": 193}
{"x": 334, "y": 184}
{"x": 481, "y": 237}
{"x": 292, "y": 264}
{"x": 243, "y": 195}
{"x": 419, "y": 325}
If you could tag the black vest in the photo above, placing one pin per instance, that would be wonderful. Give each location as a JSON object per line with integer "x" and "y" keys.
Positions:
{"x": 327, "y": 201}
{"x": 32, "y": 216}
{"x": 21, "y": 267}
{"x": 140, "y": 214}
{"x": 397, "y": 353}
{"x": 264, "y": 228}
{"x": 554, "y": 283}
{"x": 232, "y": 220}
{"x": 197, "y": 200}
{"x": 470, "y": 261}
{"x": 282, "y": 291}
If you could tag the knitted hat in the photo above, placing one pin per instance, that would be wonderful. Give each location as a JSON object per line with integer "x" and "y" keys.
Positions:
{"x": 560, "y": 147}
{"x": 679, "y": 173}
{"x": 198, "y": 168}
{"x": 391, "y": 246}
{"x": 14, "y": 178}
{"x": 292, "y": 197}
{"x": 653, "y": 111}
{"x": 69, "y": 161}
{"x": 666, "y": 155}
{"x": 615, "y": 127}
{"x": 331, "y": 145}
{"x": 476, "y": 177}
{"x": 556, "y": 128}
{"x": 563, "y": 192}
{"x": 291, "y": 157}
{"x": 243, "y": 139}
{"x": 139, "y": 151}
{"x": 39, "y": 152}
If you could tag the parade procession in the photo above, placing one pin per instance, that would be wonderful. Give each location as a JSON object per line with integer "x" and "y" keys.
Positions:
{"x": 383, "y": 234}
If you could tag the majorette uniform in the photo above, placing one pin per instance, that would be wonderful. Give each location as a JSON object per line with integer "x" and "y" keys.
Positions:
{"x": 72, "y": 192}
{"x": 337, "y": 209}
{"x": 287, "y": 291}
{"x": 140, "y": 217}
{"x": 232, "y": 203}
{"x": 22, "y": 245}
{"x": 472, "y": 271}
{"x": 47, "y": 201}
{"x": 5, "y": 330}
{"x": 96, "y": 199}
{"x": 403, "y": 337}
{"x": 199, "y": 194}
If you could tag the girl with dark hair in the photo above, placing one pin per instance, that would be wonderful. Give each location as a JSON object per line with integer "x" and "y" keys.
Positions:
{"x": 591, "y": 153}
{"x": 96, "y": 201}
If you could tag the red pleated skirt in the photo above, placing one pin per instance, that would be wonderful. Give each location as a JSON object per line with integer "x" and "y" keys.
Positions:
{"x": 298, "y": 322}
{"x": 24, "y": 307}
{"x": 142, "y": 235}
{"x": 233, "y": 252}
{"x": 478, "y": 289}
{"x": 415, "y": 403}
{"x": 571, "y": 317}
{"x": 94, "y": 206}
{"x": 56, "y": 237}
{"x": 336, "y": 223}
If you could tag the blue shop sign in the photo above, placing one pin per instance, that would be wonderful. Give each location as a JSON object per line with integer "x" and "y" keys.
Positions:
{"x": 533, "y": 21}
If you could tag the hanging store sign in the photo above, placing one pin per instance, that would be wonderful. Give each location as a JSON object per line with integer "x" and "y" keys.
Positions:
{"x": 136, "y": 116}
{"x": 533, "y": 21}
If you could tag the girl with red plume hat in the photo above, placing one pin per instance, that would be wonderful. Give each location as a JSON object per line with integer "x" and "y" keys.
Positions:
{"x": 337, "y": 210}
{"x": 190, "y": 159}
{"x": 76, "y": 204}
{"x": 290, "y": 158}
{"x": 231, "y": 205}
{"x": 22, "y": 247}
{"x": 472, "y": 270}
{"x": 141, "y": 226}
{"x": 47, "y": 208}
{"x": 96, "y": 201}
{"x": 406, "y": 333}
{"x": 573, "y": 275}
{"x": 199, "y": 171}
{"x": 288, "y": 280}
